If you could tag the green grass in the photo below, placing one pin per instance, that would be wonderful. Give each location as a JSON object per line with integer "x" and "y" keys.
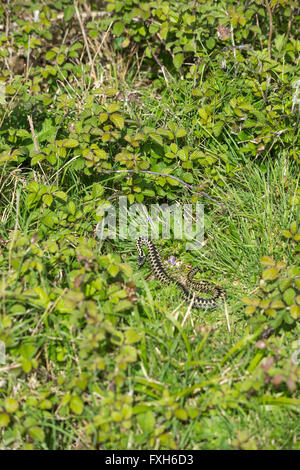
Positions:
{"x": 183, "y": 356}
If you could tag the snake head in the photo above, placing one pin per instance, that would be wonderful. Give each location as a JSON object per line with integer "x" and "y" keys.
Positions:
{"x": 141, "y": 260}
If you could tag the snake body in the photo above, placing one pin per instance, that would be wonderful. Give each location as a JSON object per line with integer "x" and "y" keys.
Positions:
{"x": 191, "y": 286}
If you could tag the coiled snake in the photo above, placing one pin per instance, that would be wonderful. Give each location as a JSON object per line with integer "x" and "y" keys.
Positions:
{"x": 191, "y": 286}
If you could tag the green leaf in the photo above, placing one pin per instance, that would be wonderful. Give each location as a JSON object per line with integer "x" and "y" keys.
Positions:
{"x": 289, "y": 296}
{"x": 68, "y": 12}
{"x": 71, "y": 208}
{"x": 142, "y": 31}
{"x": 145, "y": 166}
{"x": 118, "y": 120}
{"x": 281, "y": 400}
{"x": 277, "y": 304}
{"x": 125, "y": 43}
{"x": 36, "y": 433}
{"x": 113, "y": 269}
{"x": 197, "y": 92}
{"x": 149, "y": 192}
{"x": 295, "y": 311}
{"x": 27, "y": 350}
{"x": 45, "y": 405}
{"x": 47, "y": 198}
{"x": 32, "y": 187}
{"x": 127, "y": 411}
{"x": 170, "y": 155}
{"x": 157, "y": 138}
{"x": 126, "y": 269}
{"x": 122, "y": 305}
{"x": 39, "y": 157}
{"x": 193, "y": 413}
{"x": 217, "y": 129}
{"x": 293, "y": 227}
{"x": 4, "y": 420}
{"x": 180, "y": 132}
{"x": 116, "y": 416}
{"x": 286, "y": 233}
{"x": 52, "y": 159}
{"x": 249, "y": 310}
{"x": 76, "y": 405}
{"x": 293, "y": 271}
{"x": 112, "y": 108}
{"x": 70, "y": 143}
{"x": 118, "y": 28}
{"x": 203, "y": 114}
{"x": 49, "y": 220}
{"x": 60, "y": 59}
{"x": 93, "y": 33}
{"x": 61, "y": 195}
{"x": 210, "y": 43}
{"x": 49, "y": 55}
{"x": 181, "y": 414}
{"x": 188, "y": 177}
{"x": 26, "y": 365}
{"x": 267, "y": 261}
{"x": 153, "y": 28}
{"x": 279, "y": 41}
{"x": 101, "y": 154}
{"x": 117, "y": 338}
{"x": 10, "y": 405}
{"x": 22, "y": 133}
{"x": 131, "y": 198}
{"x": 129, "y": 353}
{"x": 270, "y": 274}
{"x": 178, "y": 60}
{"x": 173, "y": 182}
{"x": 132, "y": 336}
{"x": 103, "y": 117}
{"x": 10, "y": 90}
{"x": 146, "y": 421}
{"x": 173, "y": 148}
{"x": 183, "y": 154}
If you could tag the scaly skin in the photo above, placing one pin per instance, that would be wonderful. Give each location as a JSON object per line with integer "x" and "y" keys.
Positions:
{"x": 161, "y": 274}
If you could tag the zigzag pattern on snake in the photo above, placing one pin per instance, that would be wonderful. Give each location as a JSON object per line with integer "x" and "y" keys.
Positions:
{"x": 191, "y": 286}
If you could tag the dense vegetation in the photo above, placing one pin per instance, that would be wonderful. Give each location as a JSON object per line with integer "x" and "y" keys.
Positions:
{"x": 158, "y": 102}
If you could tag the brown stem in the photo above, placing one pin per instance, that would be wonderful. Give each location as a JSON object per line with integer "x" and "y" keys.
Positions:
{"x": 270, "y": 27}
{"x": 85, "y": 40}
{"x": 163, "y": 69}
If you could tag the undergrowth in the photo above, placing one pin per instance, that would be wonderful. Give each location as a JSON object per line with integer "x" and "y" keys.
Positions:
{"x": 154, "y": 103}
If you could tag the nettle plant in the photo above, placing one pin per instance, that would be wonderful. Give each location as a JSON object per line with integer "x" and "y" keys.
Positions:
{"x": 179, "y": 31}
{"x": 204, "y": 45}
{"x": 274, "y": 367}
{"x": 186, "y": 41}
{"x": 277, "y": 302}
{"x": 102, "y": 137}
